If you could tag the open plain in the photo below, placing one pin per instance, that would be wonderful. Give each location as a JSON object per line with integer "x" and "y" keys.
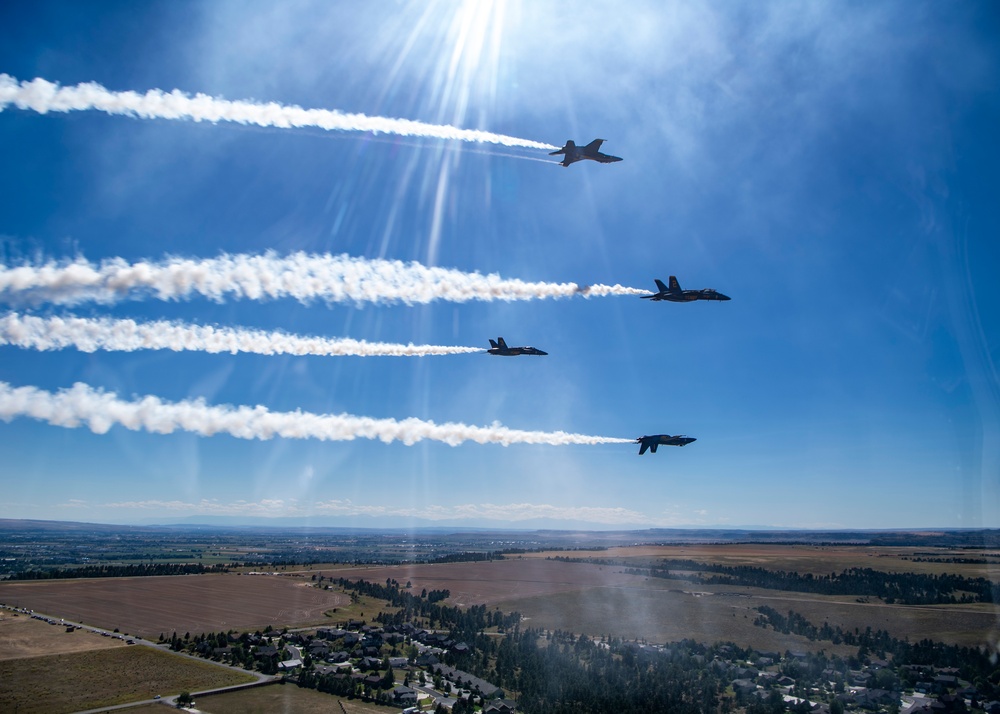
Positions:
{"x": 149, "y": 606}
{"x": 286, "y": 698}
{"x": 600, "y": 597}
{"x": 87, "y": 680}
{"x": 23, "y": 636}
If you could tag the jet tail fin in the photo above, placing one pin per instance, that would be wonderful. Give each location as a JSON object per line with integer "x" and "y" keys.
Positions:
{"x": 642, "y": 449}
{"x": 570, "y": 145}
{"x": 493, "y": 344}
{"x": 501, "y": 343}
{"x": 674, "y": 285}
{"x": 660, "y": 286}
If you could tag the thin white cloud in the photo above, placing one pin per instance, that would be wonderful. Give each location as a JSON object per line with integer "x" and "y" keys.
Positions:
{"x": 300, "y": 276}
{"x": 82, "y": 405}
{"x": 43, "y": 96}
{"x": 92, "y": 334}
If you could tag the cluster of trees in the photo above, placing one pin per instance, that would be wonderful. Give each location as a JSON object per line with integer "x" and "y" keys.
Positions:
{"x": 954, "y": 559}
{"x": 561, "y": 673}
{"x": 905, "y": 588}
{"x": 120, "y": 571}
{"x": 462, "y": 624}
{"x": 468, "y": 556}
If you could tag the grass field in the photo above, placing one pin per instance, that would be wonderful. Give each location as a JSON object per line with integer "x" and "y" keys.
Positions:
{"x": 596, "y": 599}
{"x": 580, "y": 597}
{"x": 72, "y": 682}
{"x": 22, "y": 636}
{"x": 288, "y": 699}
{"x": 148, "y": 606}
{"x": 365, "y": 609}
{"x": 818, "y": 560}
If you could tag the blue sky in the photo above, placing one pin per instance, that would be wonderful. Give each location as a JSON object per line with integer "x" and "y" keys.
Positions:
{"x": 830, "y": 166}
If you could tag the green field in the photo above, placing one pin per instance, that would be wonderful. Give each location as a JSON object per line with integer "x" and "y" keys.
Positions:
{"x": 72, "y": 682}
{"x": 288, "y": 699}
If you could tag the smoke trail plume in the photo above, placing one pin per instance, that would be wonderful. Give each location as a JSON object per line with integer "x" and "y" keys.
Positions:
{"x": 302, "y": 276}
{"x": 90, "y": 335}
{"x": 99, "y": 410}
{"x": 42, "y": 96}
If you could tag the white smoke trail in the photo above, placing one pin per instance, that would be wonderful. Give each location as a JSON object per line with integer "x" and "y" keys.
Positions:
{"x": 90, "y": 335}
{"x": 42, "y": 96}
{"x": 99, "y": 411}
{"x": 302, "y": 276}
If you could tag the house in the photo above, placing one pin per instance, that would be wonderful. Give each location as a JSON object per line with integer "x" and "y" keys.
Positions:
{"x": 368, "y": 663}
{"x": 266, "y": 651}
{"x": 499, "y": 706}
{"x": 426, "y": 660}
{"x": 874, "y": 698}
{"x": 403, "y": 696}
{"x": 464, "y": 679}
{"x": 330, "y": 634}
{"x": 289, "y": 664}
{"x": 944, "y": 682}
{"x": 319, "y": 650}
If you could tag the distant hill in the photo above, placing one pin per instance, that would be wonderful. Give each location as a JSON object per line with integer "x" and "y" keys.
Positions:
{"x": 567, "y": 533}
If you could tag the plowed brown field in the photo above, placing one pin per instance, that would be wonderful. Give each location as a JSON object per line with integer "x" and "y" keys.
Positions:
{"x": 149, "y": 606}
{"x": 488, "y": 583}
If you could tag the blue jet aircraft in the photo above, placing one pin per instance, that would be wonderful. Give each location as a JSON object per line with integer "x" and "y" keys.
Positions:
{"x": 573, "y": 153}
{"x": 675, "y": 294}
{"x": 652, "y": 442}
{"x": 500, "y": 348}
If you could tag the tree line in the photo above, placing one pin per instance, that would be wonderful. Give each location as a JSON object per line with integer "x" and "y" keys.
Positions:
{"x": 904, "y": 588}
{"x": 121, "y": 571}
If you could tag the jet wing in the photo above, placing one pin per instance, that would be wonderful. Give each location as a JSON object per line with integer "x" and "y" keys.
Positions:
{"x": 594, "y": 146}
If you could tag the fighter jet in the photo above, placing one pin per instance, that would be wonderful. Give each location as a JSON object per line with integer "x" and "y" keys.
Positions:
{"x": 500, "y": 348}
{"x": 675, "y": 294}
{"x": 573, "y": 153}
{"x": 651, "y": 442}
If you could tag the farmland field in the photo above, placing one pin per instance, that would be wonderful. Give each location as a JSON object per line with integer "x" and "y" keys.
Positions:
{"x": 190, "y": 603}
{"x": 286, "y": 698}
{"x": 23, "y": 636}
{"x": 603, "y": 599}
{"x": 815, "y": 559}
{"x": 73, "y": 682}
{"x": 492, "y": 582}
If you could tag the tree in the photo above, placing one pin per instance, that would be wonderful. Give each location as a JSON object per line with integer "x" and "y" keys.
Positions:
{"x": 184, "y": 699}
{"x": 388, "y": 679}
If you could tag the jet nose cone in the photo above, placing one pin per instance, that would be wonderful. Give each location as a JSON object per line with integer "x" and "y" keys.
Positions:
{"x": 724, "y": 297}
